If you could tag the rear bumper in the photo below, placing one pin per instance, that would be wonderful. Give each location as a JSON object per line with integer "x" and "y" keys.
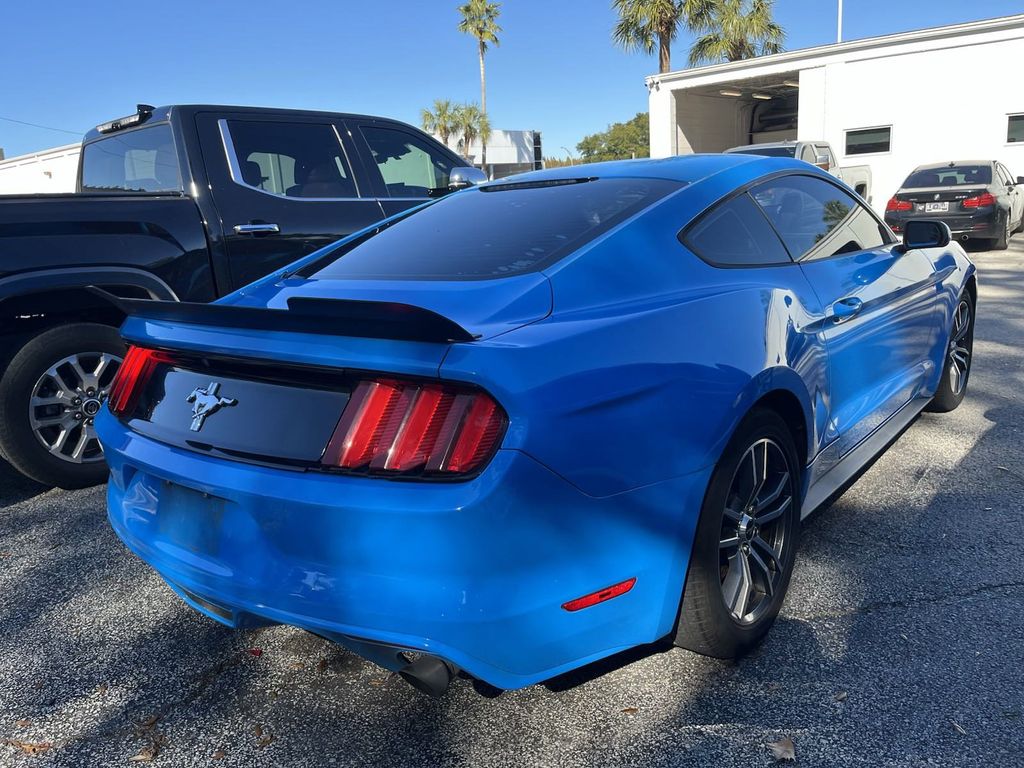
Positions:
{"x": 473, "y": 572}
{"x": 985, "y": 224}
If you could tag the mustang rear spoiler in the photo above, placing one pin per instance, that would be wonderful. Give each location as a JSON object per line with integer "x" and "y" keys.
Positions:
{"x": 330, "y": 317}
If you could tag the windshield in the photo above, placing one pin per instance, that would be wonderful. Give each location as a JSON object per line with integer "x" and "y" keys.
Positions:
{"x": 142, "y": 160}
{"x": 496, "y": 231}
{"x": 951, "y": 176}
{"x": 766, "y": 151}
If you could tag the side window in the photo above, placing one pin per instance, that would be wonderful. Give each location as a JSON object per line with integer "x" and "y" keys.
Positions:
{"x": 409, "y": 165}
{"x": 143, "y": 160}
{"x": 807, "y": 154}
{"x": 816, "y": 219}
{"x": 288, "y": 159}
{"x": 735, "y": 233}
{"x": 1005, "y": 174}
{"x": 1014, "y": 128}
{"x": 866, "y": 141}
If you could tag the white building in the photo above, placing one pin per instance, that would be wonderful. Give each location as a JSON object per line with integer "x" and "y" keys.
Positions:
{"x": 51, "y": 170}
{"x": 892, "y": 102}
{"x": 508, "y": 152}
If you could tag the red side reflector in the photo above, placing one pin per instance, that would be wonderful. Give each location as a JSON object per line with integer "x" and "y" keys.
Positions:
{"x": 393, "y": 426}
{"x": 131, "y": 378}
{"x": 600, "y": 596}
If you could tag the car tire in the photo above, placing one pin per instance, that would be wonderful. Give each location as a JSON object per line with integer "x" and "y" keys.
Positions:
{"x": 1002, "y": 242}
{"x": 66, "y": 415}
{"x": 959, "y": 354}
{"x": 713, "y": 615}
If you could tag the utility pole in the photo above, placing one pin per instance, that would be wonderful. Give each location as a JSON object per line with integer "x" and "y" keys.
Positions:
{"x": 839, "y": 23}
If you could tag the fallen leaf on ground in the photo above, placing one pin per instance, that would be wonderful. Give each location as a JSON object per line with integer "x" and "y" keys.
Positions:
{"x": 322, "y": 664}
{"x": 146, "y": 755}
{"x": 377, "y": 681}
{"x": 265, "y": 741}
{"x": 958, "y": 728}
{"x": 29, "y": 747}
{"x": 783, "y": 749}
{"x": 218, "y": 755}
{"x": 101, "y": 689}
{"x": 296, "y": 665}
{"x": 149, "y": 722}
{"x": 841, "y": 696}
{"x": 630, "y": 711}
{"x": 23, "y": 723}
{"x": 257, "y": 652}
{"x": 257, "y": 730}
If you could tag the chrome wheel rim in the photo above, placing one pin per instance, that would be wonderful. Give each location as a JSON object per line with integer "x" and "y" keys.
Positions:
{"x": 960, "y": 348}
{"x": 66, "y": 399}
{"x": 753, "y": 540}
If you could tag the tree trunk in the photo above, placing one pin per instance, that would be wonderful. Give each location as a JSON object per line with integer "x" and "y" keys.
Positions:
{"x": 664, "y": 54}
{"x": 483, "y": 108}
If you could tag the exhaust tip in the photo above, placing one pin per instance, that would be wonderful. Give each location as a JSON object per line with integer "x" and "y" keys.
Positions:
{"x": 429, "y": 675}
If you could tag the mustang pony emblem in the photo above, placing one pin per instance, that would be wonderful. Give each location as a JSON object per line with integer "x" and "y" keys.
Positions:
{"x": 206, "y": 402}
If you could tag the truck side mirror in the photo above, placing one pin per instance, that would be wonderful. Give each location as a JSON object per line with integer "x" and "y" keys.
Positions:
{"x": 925, "y": 233}
{"x": 1020, "y": 179}
{"x": 469, "y": 176}
{"x": 822, "y": 162}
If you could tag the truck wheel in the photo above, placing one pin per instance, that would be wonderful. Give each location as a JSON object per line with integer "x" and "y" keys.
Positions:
{"x": 52, "y": 388}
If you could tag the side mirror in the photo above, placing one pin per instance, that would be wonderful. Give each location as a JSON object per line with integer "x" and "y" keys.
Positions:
{"x": 925, "y": 233}
{"x": 1020, "y": 179}
{"x": 822, "y": 162}
{"x": 469, "y": 176}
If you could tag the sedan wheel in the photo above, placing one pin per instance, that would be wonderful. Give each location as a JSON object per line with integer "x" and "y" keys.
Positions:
{"x": 745, "y": 544}
{"x": 958, "y": 358}
{"x": 754, "y": 532}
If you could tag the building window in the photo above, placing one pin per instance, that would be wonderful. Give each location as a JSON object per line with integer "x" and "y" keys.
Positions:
{"x": 1014, "y": 128}
{"x": 866, "y": 141}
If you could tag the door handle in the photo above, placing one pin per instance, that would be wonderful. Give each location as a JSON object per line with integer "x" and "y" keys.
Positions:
{"x": 254, "y": 228}
{"x": 844, "y": 309}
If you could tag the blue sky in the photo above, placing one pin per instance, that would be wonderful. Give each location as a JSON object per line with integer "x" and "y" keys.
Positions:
{"x": 72, "y": 65}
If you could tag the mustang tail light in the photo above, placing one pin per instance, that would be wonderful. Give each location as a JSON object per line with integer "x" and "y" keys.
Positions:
{"x": 131, "y": 378}
{"x": 898, "y": 205}
{"x": 391, "y": 426}
{"x": 980, "y": 201}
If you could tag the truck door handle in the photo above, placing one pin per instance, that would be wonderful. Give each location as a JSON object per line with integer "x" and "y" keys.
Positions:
{"x": 844, "y": 309}
{"x": 257, "y": 228}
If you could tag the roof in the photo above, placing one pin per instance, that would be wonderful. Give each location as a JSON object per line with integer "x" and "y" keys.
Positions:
{"x": 165, "y": 112}
{"x": 931, "y": 37}
{"x": 682, "y": 168}
{"x": 940, "y": 166}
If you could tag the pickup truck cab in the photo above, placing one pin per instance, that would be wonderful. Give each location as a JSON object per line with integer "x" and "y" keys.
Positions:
{"x": 818, "y": 153}
{"x": 177, "y": 203}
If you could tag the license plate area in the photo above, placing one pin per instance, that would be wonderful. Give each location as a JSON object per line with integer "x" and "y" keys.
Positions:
{"x": 936, "y": 207}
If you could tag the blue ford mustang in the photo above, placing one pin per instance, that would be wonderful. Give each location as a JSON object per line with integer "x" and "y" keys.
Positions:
{"x": 539, "y": 421}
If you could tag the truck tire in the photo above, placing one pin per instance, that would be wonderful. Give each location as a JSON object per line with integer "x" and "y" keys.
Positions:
{"x": 49, "y": 393}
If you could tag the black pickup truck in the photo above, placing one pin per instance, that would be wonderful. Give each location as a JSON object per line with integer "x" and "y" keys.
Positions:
{"x": 177, "y": 203}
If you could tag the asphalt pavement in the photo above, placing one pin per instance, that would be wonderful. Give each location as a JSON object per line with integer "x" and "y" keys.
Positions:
{"x": 900, "y": 642}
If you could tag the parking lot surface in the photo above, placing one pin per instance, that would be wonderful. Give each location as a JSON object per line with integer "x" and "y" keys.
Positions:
{"x": 899, "y": 643}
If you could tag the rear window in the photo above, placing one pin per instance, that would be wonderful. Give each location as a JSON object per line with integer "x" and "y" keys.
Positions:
{"x": 953, "y": 176}
{"x": 142, "y": 160}
{"x": 497, "y": 231}
{"x": 766, "y": 151}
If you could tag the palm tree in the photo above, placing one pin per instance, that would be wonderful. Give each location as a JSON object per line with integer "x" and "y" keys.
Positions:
{"x": 480, "y": 19}
{"x": 470, "y": 123}
{"x": 732, "y": 30}
{"x": 440, "y": 121}
{"x": 644, "y": 25}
